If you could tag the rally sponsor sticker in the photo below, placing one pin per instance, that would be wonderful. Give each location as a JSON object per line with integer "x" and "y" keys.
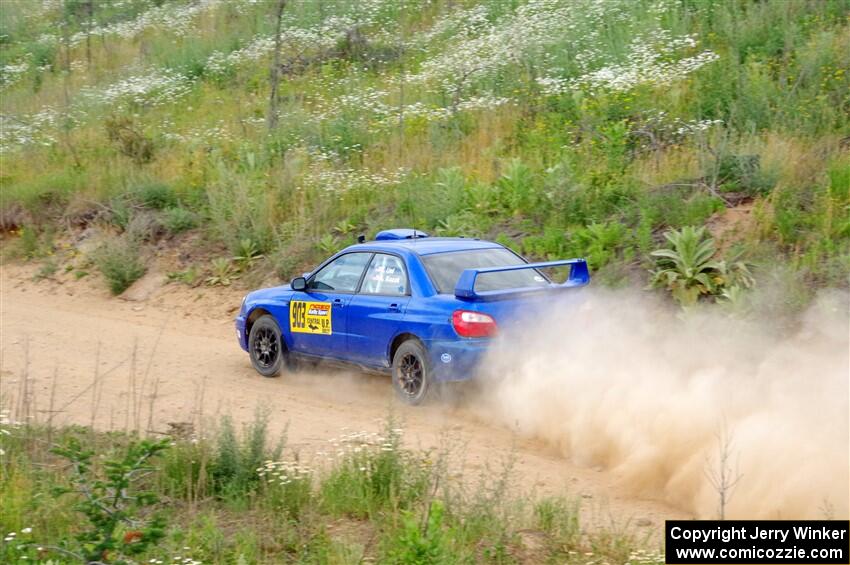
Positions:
{"x": 310, "y": 317}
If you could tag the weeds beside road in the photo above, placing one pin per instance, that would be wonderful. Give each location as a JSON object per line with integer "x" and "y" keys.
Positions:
{"x": 76, "y": 495}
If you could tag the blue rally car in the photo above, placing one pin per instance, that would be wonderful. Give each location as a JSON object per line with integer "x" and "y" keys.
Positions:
{"x": 422, "y": 308}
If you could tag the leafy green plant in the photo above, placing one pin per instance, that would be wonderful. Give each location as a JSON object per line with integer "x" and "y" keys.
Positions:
{"x": 247, "y": 253}
{"x": 120, "y": 263}
{"x": 344, "y": 227}
{"x": 516, "y": 187}
{"x": 422, "y": 541}
{"x": 688, "y": 268}
{"x": 736, "y": 299}
{"x": 116, "y": 505}
{"x": 222, "y": 274}
{"x": 551, "y": 244}
{"x": 328, "y": 244}
{"x": 190, "y": 276}
{"x": 599, "y": 242}
{"x": 460, "y": 224}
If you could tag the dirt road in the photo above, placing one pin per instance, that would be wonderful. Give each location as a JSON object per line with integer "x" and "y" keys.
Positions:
{"x": 173, "y": 357}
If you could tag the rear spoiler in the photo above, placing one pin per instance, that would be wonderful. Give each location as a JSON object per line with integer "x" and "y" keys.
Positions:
{"x": 465, "y": 289}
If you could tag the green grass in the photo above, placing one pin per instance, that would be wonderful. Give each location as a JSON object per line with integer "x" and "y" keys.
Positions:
{"x": 217, "y": 500}
{"x": 590, "y": 170}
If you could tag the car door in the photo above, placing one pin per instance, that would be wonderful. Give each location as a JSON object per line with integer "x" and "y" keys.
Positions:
{"x": 318, "y": 315}
{"x": 377, "y": 310}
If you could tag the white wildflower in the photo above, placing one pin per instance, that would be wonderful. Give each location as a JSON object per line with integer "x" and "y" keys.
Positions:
{"x": 10, "y": 74}
{"x": 153, "y": 88}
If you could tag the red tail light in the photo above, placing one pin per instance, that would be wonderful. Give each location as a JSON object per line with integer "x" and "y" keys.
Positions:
{"x": 473, "y": 324}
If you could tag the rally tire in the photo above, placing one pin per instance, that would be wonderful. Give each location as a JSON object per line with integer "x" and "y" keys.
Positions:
{"x": 266, "y": 348}
{"x": 411, "y": 373}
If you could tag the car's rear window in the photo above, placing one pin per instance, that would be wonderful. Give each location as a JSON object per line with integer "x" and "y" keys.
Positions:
{"x": 445, "y": 270}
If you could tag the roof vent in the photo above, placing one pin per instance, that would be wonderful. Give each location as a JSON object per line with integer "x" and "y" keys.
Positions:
{"x": 403, "y": 233}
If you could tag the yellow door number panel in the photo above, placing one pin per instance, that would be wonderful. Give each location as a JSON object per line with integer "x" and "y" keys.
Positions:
{"x": 310, "y": 317}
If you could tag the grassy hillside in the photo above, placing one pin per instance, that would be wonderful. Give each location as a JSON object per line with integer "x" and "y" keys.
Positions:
{"x": 561, "y": 127}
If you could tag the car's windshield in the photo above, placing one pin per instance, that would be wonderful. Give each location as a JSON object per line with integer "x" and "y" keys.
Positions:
{"x": 445, "y": 270}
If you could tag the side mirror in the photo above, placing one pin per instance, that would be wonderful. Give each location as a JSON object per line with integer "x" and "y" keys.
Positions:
{"x": 298, "y": 283}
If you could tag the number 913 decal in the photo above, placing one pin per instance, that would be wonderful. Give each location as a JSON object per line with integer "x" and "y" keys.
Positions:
{"x": 310, "y": 317}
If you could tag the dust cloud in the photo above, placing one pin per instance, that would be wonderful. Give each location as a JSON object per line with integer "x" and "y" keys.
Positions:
{"x": 613, "y": 379}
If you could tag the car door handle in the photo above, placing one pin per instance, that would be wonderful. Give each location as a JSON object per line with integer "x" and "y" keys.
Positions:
{"x": 394, "y": 308}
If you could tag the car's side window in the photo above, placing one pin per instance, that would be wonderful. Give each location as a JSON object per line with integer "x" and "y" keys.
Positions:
{"x": 340, "y": 275}
{"x": 385, "y": 275}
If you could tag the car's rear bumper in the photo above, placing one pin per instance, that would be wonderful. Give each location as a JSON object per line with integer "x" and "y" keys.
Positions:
{"x": 240, "y": 332}
{"x": 457, "y": 360}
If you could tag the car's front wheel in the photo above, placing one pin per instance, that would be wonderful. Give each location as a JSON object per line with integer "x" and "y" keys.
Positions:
{"x": 411, "y": 372}
{"x": 266, "y": 347}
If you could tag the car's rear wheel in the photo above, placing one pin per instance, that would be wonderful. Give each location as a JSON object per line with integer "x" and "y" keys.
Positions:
{"x": 266, "y": 348}
{"x": 411, "y": 372}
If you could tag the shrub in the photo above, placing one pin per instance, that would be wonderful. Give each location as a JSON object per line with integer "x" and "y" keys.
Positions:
{"x": 743, "y": 173}
{"x": 116, "y": 505}
{"x": 185, "y": 470}
{"x": 235, "y": 465}
{"x": 178, "y": 219}
{"x": 120, "y": 263}
{"x": 155, "y": 195}
{"x": 130, "y": 139}
{"x": 29, "y": 244}
{"x": 120, "y": 213}
{"x": 142, "y": 227}
{"x": 43, "y": 53}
